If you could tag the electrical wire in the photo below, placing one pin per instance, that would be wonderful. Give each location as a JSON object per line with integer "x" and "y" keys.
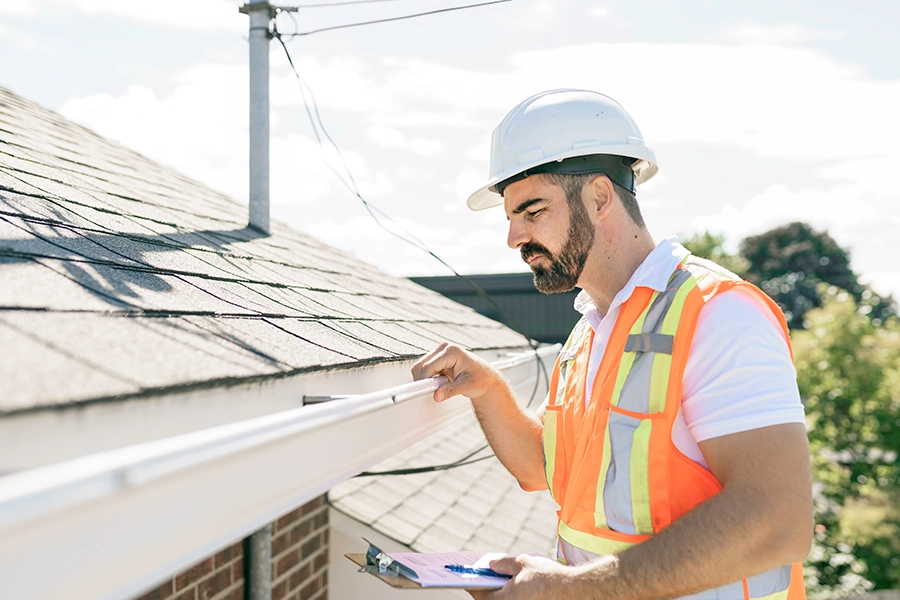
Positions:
{"x": 390, "y": 19}
{"x": 347, "y": 3}
{"x": 409, "y": 238}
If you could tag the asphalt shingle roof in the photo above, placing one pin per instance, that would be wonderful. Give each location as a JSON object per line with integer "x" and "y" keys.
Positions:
{"x": 477, "y": 507}
{"x": 120, "y": 277}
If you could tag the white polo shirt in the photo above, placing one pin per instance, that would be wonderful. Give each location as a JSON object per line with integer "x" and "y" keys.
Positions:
{"x": 739, "y": 375}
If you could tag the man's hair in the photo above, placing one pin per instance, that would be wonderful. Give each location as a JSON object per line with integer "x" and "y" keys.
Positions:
{"x": 573, "y": 184}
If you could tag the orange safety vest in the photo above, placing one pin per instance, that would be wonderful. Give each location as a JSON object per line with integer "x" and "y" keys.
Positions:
{"x": 612, "y": 466}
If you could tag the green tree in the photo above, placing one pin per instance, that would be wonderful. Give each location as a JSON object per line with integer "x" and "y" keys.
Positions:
{"x": 790, "y": 262}
{"x": 848, "y": 370}
{"x": 711, "y": 246}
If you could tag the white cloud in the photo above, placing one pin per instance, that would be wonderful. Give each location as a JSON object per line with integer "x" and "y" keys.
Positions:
{"x": 854, "y": 215}
{"x": 780, "y": 102}
{"x": 599, "y": 12}
{"x": 538, "y": 15}
{"x": 391, "y": 138}
{"x": 216, "y": 15}
{"x": 17, "y": 8}
{"x": 394, "y": 115}
{"x": 200, "y": 128}
{"x": 788, "y": 34}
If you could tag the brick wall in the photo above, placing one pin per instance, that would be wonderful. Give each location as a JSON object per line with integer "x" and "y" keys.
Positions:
{"x": 300, "y": 553}
{"x": 218, "y": 577}
{"x": 299, "y": 563}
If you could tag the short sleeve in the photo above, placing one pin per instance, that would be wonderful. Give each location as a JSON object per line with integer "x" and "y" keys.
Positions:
{"x": 739, "y": 375}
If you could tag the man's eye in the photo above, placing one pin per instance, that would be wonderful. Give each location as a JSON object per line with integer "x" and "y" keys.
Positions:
{"x": 534, "y": 213}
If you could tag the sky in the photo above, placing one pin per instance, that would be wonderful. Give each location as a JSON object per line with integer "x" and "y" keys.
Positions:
{"x": 760, "y": 113}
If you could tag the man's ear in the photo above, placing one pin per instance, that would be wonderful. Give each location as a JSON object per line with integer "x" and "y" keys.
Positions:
{"x": 599, "y": 195}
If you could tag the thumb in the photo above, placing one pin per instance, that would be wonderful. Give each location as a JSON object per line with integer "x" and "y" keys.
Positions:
{"x": 445, "y": 391}
{"x": 508, "y": 565}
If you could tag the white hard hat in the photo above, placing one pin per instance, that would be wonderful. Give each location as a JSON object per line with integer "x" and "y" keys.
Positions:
{"x": 561, "y": 124}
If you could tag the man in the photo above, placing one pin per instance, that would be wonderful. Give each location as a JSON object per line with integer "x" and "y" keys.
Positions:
{"x": 673, "y": 436}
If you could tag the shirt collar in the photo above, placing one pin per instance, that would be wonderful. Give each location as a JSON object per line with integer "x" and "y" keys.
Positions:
{"x": 654, "y": 273}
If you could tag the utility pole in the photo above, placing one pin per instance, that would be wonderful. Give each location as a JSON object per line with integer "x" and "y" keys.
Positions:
{"x": 261, "y": 15}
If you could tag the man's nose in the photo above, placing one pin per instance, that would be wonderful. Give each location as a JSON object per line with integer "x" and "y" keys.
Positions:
{"x": 516, "y": 236}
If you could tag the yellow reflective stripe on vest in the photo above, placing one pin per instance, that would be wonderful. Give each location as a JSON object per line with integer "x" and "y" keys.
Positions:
{"x": 551, "y": 422}
{"x": 640, "y": 486}
{"x": 600, "y": 519}
{"x": 659, "y": 382}
{"x": 623, "y": 486}
{"x": 673, "y": 315}
{"x": 628, "y": 358}
{"x": 591, "y": 543}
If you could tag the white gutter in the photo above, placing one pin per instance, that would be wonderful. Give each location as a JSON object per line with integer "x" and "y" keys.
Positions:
{"x": 111, "y": 525}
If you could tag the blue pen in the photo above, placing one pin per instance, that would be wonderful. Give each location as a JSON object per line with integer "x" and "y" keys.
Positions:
{"x": 467, "y": 570}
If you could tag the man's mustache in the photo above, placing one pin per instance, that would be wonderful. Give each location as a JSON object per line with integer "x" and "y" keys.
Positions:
{"x": 530, "y": 249}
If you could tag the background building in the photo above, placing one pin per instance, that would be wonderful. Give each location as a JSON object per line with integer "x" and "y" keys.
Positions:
{"x": 546, "y": 318}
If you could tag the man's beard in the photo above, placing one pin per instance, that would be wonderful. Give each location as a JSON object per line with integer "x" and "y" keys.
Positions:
{"x": 565, "y": 268}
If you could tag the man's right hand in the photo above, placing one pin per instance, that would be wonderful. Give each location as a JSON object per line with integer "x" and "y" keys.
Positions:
{"x": 466, "y": 374}
{"x": 513, "y": 432}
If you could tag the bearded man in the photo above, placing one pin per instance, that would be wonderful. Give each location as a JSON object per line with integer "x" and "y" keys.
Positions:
{"x": 673, "y": 435}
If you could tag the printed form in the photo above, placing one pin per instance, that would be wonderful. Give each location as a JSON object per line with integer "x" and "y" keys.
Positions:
{"x": 431, "y": 572}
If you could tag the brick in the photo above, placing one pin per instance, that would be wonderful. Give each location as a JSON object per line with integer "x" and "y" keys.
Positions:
{"x": 299, "y": 577}
{"x": 320, "y": 520}
{"x": 310, "y": 547}
{"x": 195, "y": 573}
{"x": 310, "y": 590}
{"x": 300, "y": 531}
{"x": 280, "y": 543}
{"x": 312, "y": 505}
{"x": 279, "y": 591}
{"x": 161, "y": 593}
{"x": 289, "y": 560}
{"x": 287, "y": 519}
{"x": 235, "y": 594}
{"x": 237, "y": 570}
{"x": 190, "y": 594}
{"x": 211, "y": 586}
{"x": 321, "y": 560}
{"x": 228, "y": 554}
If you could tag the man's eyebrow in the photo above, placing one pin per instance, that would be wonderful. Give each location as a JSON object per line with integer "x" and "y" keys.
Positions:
{"x": 524, "y": 205}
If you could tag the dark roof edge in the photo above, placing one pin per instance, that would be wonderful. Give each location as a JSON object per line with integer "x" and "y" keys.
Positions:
{"x": 492, "y": 284}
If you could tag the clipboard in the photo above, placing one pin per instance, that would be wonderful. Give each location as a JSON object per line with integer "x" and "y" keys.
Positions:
{"x": 397, "y": 575}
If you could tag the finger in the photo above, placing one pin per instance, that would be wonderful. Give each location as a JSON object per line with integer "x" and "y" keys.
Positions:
{"x": 445, "y": 362}
{"x": 419, "y": 370}
{"x": 508, "y": 565}
{"x": 447, "y": 390}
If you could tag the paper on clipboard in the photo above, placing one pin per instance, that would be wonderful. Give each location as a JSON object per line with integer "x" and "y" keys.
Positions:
{"x": 413, "y": 569}
{"x": 430, "y": 571}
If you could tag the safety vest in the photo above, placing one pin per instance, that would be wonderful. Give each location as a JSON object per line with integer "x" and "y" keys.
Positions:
{"x": 611, "y": 465}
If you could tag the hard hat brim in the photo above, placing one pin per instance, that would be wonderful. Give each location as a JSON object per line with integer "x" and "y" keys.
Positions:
{"x": 644, "y": 169}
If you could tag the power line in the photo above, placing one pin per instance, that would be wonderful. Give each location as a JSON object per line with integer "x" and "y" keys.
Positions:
{"x": 347, "y": 3}
{"x": 389, "y": 19}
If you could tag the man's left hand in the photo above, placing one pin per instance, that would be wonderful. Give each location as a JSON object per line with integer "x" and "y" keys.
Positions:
{"x": 533, "y": 577}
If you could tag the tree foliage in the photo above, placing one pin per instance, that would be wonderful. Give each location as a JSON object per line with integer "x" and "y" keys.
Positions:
{"x": 848, "y": 370}
{"x": 711, "y": 246}
{"x": 790, "y": 262}
{"x": 847, "y": 353}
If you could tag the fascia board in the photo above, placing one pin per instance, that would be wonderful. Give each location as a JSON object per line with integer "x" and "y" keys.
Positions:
{"x": 113, "y": 524}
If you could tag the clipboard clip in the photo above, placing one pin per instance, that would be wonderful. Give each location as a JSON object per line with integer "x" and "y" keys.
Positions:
{"x": 379, "y": 563}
